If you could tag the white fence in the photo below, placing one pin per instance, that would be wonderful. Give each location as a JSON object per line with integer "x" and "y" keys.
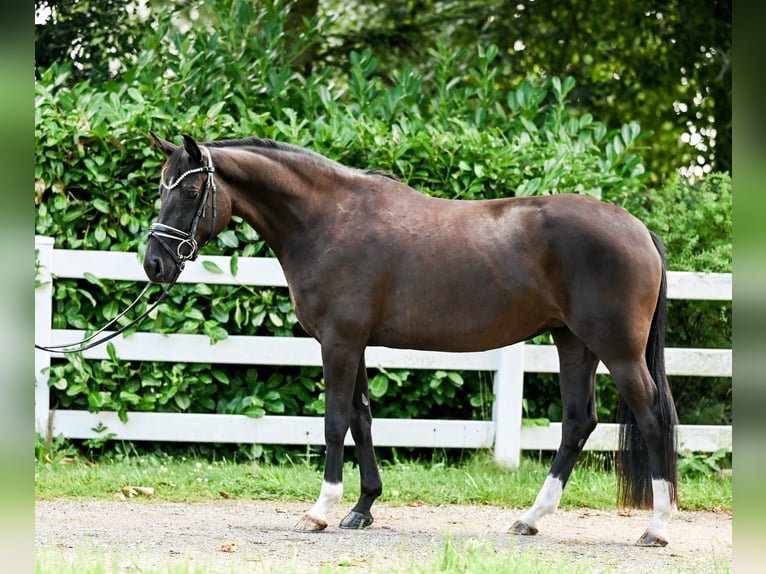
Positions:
{"x": 504, "y": 432}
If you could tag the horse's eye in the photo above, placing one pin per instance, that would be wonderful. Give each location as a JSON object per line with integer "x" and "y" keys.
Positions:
{"x": 192, "y": 193}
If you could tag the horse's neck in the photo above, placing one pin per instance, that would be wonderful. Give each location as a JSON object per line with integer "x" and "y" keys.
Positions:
{"x": 277, "y": 196}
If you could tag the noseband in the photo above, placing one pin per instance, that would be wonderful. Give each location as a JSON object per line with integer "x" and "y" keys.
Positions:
{"x": 187, "y": 247}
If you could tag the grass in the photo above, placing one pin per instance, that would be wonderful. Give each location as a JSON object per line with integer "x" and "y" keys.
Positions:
{"x": 465, "y": 557}
{"x": 475, "y": 481}
{"x": 457, "y": 557}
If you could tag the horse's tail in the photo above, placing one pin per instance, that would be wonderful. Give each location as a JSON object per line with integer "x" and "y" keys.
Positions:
{"x": 634, "y": 487}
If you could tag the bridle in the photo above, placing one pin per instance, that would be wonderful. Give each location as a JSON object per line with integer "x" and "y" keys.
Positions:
{"x": 187, "y": 247}
{"x": 186, "y": 250}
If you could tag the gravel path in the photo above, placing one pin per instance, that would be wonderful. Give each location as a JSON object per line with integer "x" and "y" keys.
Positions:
{"x": 256, "y": 536}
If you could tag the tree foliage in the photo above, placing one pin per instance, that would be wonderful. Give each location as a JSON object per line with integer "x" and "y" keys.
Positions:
{"x": 665, "y": 65}
{"x": 98, "y": 37}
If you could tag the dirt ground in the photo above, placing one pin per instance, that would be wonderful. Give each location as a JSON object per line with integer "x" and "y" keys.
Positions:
{"x": 257, "y": 536}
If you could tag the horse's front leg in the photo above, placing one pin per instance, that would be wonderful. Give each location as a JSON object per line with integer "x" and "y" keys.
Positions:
{"x": 361, "y": 430}
{"x": 340, "y": 365}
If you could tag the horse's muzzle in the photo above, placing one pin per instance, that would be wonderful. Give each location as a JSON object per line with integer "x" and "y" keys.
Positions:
{"x": 159, "y": 268}
{"x": 155, "y": 270}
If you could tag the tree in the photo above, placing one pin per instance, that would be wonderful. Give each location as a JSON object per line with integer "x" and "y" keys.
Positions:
{"x": 98, "y": 36}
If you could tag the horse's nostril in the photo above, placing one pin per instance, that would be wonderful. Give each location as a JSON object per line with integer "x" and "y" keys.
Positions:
{"x": 153, "y": 268}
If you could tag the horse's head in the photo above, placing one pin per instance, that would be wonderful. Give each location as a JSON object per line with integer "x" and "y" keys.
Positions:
{"x": 190, "y": 213}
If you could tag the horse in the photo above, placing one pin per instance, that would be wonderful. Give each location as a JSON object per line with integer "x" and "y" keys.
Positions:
{"x": 372, "y": 261}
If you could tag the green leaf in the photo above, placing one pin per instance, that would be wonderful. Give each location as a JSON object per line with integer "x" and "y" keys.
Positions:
{"x": 536, "y": 422}
{"x": 239, "y": 315}
{"x": 216, "y": 334}
{"x": 194, "y": 314}
{"x": 219, "y": 312}
{"x": 233, "y": 265}
{"x": 229, "y": 238}
{"x": 110, "y": 310}
{"x": 528, "y": 125}
{"x": 90, "y": 278}
{"x": 130, "y": 398}
{"x": 101, "y": 205}
{"x": 212, "y": 267}
{"x": 378, "y": 386}
{"x": 456, "y": 379}
{"x": 255, "y": 412}
{"x": 61, "y": 384}
{"x": 276, "y": 319}
{"x": 182, "y": 400}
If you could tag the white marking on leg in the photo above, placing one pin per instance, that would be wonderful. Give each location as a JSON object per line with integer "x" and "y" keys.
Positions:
{"x": 547, "y": 501}
{"x": 663, "y": 508}
{"x": 328, "y": 496}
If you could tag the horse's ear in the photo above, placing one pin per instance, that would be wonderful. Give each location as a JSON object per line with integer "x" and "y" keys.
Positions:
{"x": 192, "y": 148}
{"x": 164, "y": 145}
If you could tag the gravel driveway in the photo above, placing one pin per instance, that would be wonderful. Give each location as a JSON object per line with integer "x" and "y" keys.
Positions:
{"x": 256, "y": 536}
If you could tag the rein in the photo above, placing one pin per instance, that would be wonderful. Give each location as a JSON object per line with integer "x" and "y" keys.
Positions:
{"x": 186, "y": 250}
{"x": 89, "y": 342}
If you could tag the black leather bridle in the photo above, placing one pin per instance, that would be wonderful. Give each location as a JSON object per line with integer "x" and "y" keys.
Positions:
{"x": 186, "y": 250}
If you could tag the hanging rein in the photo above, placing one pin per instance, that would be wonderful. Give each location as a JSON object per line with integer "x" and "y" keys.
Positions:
{"x": 186, "y": 250}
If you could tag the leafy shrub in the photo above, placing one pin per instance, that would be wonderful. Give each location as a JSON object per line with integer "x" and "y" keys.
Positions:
{"x": 693, "y": 219}
{"x": 692, "y": 464}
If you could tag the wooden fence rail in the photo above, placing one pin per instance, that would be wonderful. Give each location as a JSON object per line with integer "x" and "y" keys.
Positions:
{"x": 504, "y": 432}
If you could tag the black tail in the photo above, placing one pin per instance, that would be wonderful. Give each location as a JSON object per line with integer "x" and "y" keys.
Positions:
{"x": 634, "y": 487}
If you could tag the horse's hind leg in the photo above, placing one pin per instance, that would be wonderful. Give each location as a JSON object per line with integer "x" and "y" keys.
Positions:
{"x": 646, "y": 465}
{"x": 361, "y": 430}
{"x": 577, "y": 382}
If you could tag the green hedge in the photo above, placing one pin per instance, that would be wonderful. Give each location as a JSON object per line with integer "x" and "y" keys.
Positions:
{"x": 96, "y": 180}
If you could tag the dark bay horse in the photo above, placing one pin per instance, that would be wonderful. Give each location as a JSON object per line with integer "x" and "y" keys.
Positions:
{"x": 371, "y": 261}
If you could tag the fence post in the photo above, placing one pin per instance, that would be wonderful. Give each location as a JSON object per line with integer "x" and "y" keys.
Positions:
{"x": 507, "y": 409}
{"x": 43, "y": 328}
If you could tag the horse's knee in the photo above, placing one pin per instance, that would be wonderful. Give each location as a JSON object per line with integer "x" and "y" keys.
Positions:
{"x": 576, "y": 430}
{"x": 335, "y": 430}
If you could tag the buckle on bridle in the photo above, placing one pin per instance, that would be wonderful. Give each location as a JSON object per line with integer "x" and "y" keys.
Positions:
{"x": 192, "y": 244}
{"x": 160, "y": 230}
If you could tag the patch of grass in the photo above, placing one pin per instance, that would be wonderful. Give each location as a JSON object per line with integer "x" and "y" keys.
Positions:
{"x": 457, "y": 557}
{"x": 478, "y": 557}
{"x": 476, "y": 480}
{"x": 470, "y": 556}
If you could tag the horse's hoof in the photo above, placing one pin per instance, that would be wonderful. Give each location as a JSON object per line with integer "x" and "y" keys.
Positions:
{"x": 522, "y": 528}
{"x": 651, "y": 540}
{"x": 356, "y": 520}
{"x": 310, "y": 524}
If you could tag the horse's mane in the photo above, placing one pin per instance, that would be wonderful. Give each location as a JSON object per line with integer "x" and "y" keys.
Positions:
{"x": 268, "y": 143}
{"x": 382, "y": 173}
{"x": 261, "y": 143}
